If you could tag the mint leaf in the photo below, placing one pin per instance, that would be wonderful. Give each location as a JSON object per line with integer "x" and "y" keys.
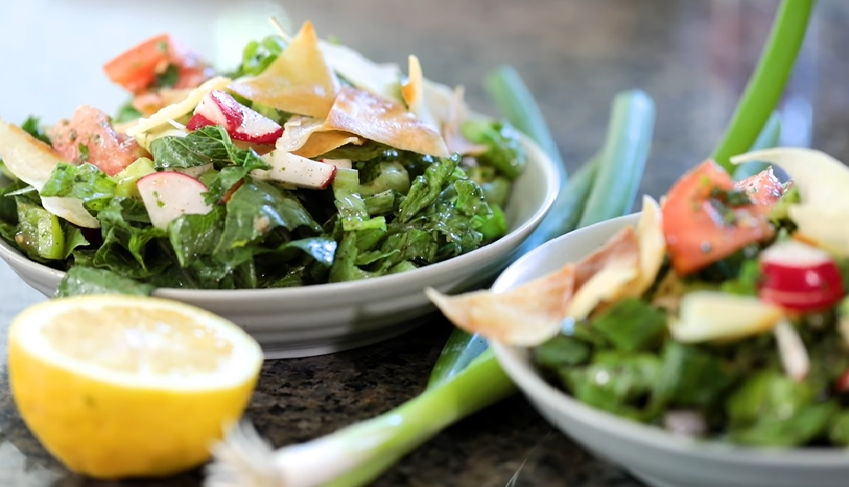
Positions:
{"x": 255, "y": 209}
{"x": 208, "y": 145}
{"x": 85, "y": 182}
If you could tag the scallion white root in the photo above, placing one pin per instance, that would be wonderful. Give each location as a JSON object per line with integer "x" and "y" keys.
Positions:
{"x": 357, "y": 454}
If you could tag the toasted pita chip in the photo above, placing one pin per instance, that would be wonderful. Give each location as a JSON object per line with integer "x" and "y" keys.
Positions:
{"x": 624, "y": 243}
{"x": 525, "y": 316}
{"x": 29, "y": 159}
{"x": 452, "y": 131}
{"x": 412, "y": 90}
{"x": 384, "y": 80}
{"x": 32, "y": 161}
{"x": 414, "y": 96}
{"x": 297, "y": 130}
{"x": 652, "y": 245}
{"x": 298, "y": 81}
{"x": 323, "y": 142}
{"x": 152, "y": 102}
{"x": 309, "y": 137}
{"x": 365, "y": 114}
{"x": 604, "y": 275}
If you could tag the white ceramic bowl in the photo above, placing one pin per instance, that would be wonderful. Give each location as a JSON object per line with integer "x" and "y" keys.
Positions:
{"x": 326, "y": 318}
{"x": 652, "y": 454}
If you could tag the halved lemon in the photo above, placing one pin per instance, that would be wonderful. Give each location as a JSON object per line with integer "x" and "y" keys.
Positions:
{"x": 121, "y": 386}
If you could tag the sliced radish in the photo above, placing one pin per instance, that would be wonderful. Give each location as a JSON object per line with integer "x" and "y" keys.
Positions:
{"x": 842, "y": 382}
{"x": 168, "y": 195}
{"x": 296, "y": 170}
{"x": 222, "y": 109}
{"x": 791, "y": 350}
{"x": 343, "y": 163}
{"x": 199, "y": 121}
{"x": 799, "y": 277}
{"x": 242, "y": 123}
{"x": 257, "y": 128}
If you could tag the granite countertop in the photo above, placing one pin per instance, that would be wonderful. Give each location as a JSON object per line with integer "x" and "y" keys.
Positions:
{"x": 692, "y": 56}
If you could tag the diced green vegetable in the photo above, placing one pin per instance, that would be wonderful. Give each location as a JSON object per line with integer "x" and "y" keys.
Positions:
{"x": 690, "y": 377}
{"x": 39, "y": 232}
{"x": 631, "y": 325}
{"x": 562, "y": 351}
{"x": 388, "y": 175}
{"x": 838, "y": 431}
{"x": 126, "y": 179}
{"x": 614, "y": 380}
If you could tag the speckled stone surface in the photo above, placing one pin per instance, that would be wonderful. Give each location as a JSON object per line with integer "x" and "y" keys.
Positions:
{"x": 692, "y": 56}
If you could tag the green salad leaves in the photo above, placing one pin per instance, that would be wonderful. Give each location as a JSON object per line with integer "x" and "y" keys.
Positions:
{"x": 392, "y": 211}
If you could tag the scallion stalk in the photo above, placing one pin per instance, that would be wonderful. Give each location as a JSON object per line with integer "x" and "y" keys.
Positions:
{"x": 623, "y": 158}
{"x": 769, "y": 137}
{"x": 767, "y": 82}
{"x": 357, "y": 454}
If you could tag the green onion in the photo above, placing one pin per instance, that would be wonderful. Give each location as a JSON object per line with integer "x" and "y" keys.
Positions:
{"x": 457, "y": 353}
{"x": 767, "y": 82}
{"x": 516, "y": 103}
{"x": 461, "y": 347}
{"x": 769, "y": 137}
{"x": 623, "y": 158}
{"x": 357, "y": 454}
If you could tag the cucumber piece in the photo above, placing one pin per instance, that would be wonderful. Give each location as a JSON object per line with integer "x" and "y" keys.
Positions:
{"x": 127, "y": 178}
{"x": 39, "y": 232}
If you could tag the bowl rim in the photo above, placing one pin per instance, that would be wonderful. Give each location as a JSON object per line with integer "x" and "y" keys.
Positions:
{"x": 551, "y": 186}
{"x": 526, "y": 378}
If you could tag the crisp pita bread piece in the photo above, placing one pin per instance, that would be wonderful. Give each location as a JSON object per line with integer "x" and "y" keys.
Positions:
{"x": 452, "y": 128}
{"x": 440, "y": 107}
{"x": 176, "y": 110}
{"x": 384, "y": 80}
{"x": 605, "y": 275}
{"x": 297, "y": 130}
{"x": 29, "y": 159}
{"x": 412, "y": 90}
{"x": 309, "y": 137}
{"x": 652, "y": 244}
{"x": 413, "y": 93}
{"x": 151, "y": 102}
{"x": 525, "y": 316}
{"x": 365, "y": 114}
{"x": 298, "y": 81}
{"x": 32, "y": 161}
{"x": 323, "y": 142}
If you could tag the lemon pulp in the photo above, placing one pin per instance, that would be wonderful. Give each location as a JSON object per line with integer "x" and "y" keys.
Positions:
{"x": 119, "y": 386}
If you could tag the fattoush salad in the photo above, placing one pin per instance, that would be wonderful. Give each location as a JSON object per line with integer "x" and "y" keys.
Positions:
{"x": 721, "y": 315}
{"x": 306, "y": 164}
